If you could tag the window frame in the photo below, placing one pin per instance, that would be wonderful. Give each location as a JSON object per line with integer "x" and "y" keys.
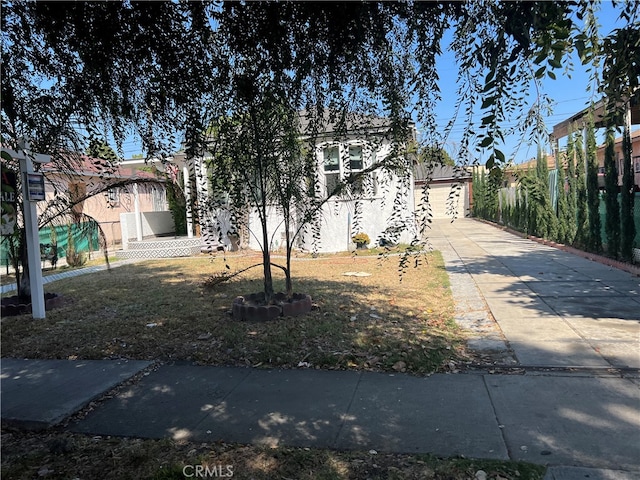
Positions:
{"x": 345, "y": 166}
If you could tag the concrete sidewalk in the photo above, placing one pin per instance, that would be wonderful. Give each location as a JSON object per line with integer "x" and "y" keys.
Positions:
{"x": 41, "y": 393}
{"x": 558, "y": 420}
{"x": 60, "y": 274}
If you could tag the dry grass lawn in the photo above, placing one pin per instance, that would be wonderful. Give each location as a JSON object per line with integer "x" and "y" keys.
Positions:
{"x": 163, "y": 310}
{"x": 65, "y": 455}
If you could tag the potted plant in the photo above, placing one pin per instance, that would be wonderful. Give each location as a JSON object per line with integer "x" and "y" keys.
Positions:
{"x": 361, "y": 240}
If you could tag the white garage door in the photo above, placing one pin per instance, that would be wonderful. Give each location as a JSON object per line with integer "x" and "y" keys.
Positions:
{"x": 438, "y": 200}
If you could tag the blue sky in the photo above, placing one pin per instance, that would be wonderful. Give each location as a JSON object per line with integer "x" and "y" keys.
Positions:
{"x": 570, "y": 95}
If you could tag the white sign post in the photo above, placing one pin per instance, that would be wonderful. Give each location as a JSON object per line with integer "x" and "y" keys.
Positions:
{"x": 26, "y": 159}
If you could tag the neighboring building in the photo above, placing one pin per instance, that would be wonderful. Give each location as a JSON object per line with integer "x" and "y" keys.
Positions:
{"x": 337, "y": 215}
{"x": 597, "y": 114}
{"x": 514, "y": 172}
{"x": 635, "y": 158}
{"x": 106, "y": 208}
{"x": 449, "y": 190}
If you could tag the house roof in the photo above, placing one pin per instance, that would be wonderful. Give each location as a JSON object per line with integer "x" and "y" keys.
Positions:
{"x": 329, "y": 125}
{"x": 351, "y": 122}
{"x": 563, "y": 128}
{"x": 440, "y": 173}
{"x": 531, "y": 163}
{"x": 95, "y": 167}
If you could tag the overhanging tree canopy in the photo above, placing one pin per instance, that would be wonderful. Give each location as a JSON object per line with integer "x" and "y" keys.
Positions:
{"x": 159, "y": 68}
{"x": 156, "y": 67}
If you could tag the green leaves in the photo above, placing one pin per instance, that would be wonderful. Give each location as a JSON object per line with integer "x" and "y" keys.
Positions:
{"x": 486, "y": 142}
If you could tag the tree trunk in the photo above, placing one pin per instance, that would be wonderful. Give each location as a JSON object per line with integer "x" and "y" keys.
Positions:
{"x": 24, "y": 282}
{"x": 287, "y": 273}
{"x": 266, "y": 254}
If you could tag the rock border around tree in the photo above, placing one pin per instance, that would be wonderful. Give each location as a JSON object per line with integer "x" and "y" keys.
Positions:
{"x": 252, "y": 307}
{"x": 14, "y": 305}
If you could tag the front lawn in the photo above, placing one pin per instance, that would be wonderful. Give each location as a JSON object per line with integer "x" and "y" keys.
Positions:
{"x": 163, "y": 310}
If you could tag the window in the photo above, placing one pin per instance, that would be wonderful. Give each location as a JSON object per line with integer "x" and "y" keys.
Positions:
{"x": 355, "y": 165}
{"x": 113, "y": 197}
{"x": 337, "y": 167}
{"x": 355, "y": 158}
{"x": 636, "y": 162}
{"x": 331, "y": 168}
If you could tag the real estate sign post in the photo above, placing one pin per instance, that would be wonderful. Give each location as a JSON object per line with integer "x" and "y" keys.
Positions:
{"x": 26, "y": 159}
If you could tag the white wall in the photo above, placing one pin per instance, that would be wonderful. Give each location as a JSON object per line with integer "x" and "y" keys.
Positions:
{"x": 153, "y": 223}
{"x": 337, "y": 216}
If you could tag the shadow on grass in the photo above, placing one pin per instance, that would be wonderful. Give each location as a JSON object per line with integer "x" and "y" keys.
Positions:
{"x": 160, "y": 310}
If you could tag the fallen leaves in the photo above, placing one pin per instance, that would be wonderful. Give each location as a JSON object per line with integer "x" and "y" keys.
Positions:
{"x": 368, "y": 324}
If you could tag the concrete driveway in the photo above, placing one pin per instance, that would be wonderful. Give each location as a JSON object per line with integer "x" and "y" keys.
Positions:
{"x": 553, "y": 308}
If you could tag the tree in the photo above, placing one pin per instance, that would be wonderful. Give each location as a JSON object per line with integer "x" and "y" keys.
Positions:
{"x": 572, "y": 191}
{"x": 112, "y": 67}
{"x": 256, "y": 167}
{"x": 542, "y": 220}
{"x": 436, "y": 156}
{"x": 582, "y": 212}
{"x": 565, "y": 214}
{"x": 627, "y": 224}
{"x": 101, "y": 150}
{"x": 263, "y": 166}
{"x": 612, "y": 223}
{"x": 594, "y": 237}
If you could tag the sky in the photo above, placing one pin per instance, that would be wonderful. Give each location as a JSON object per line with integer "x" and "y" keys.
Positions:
{"x": 569, "y": 94}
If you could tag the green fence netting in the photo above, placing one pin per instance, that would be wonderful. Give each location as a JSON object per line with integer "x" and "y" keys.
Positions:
{"x": 85, "y": 238}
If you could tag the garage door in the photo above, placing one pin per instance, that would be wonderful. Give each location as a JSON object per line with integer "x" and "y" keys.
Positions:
{"x": 438, "y": 196}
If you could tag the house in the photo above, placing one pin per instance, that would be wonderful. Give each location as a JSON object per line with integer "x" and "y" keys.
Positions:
{"x": 379, "y": 194}
{"x": 635, "y": 159}
{"x": 449, "y": 190}
{"x": 599, "y": 118}
{"x": 108, "y": 207}
{"x": 516, "y": 171}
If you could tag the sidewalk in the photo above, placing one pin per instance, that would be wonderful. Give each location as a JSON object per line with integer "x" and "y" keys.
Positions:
{"x": 559, "y": 420}
{"x": 71, "y": 273}
{"x": 551, "y": 310}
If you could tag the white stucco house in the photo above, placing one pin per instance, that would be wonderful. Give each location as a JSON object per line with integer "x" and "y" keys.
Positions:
{"x": 378, "y": 205}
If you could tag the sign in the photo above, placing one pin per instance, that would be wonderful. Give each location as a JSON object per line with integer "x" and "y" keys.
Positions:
{"x": 35, "y": 187}
{"x": 9, "y": 194}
